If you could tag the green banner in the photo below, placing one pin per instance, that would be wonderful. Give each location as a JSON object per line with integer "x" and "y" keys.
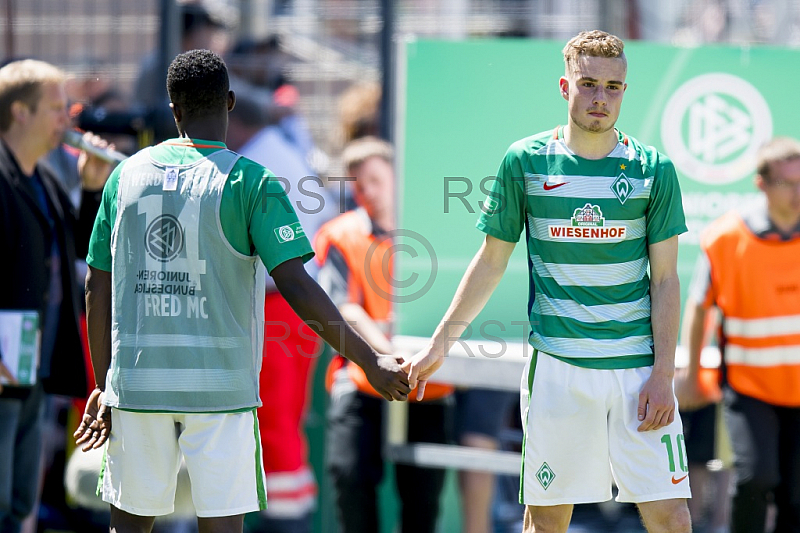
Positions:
{"x": 461, "y": 104}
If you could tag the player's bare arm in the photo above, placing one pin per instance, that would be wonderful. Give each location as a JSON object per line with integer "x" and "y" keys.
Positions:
{"x": 656, "y": 401}
{"x": 479, "y": 282}
{"x": 313, "y": 305}
{"x": 95, "y": 426}
{"x": 357, "y": 316}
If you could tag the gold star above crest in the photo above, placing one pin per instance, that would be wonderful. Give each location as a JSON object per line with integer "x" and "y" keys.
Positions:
{"x": 622, "y": 166}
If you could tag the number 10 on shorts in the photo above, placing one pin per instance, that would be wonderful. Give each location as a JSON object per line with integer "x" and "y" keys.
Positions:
{"x": 673, "y": 444}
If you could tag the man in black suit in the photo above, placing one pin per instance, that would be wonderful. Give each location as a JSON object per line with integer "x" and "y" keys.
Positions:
{"x": 41, "y": 235}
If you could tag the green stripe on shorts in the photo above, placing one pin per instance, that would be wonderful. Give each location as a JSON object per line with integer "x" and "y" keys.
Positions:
{"x": 262, "y": 493}
{"x": 99, "y": 490}
{"x": 531, "y": 373}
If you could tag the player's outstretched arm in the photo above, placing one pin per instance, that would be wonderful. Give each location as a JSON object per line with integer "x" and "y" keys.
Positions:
{"x": 479, "y": 282}
{"x": 313, "y": 305}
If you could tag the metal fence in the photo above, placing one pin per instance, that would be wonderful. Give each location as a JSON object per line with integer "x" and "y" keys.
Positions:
{"x": 88, "y": 38}
{"x": 332, "y": 44}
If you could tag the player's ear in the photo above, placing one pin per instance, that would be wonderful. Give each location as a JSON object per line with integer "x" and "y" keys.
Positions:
{"x": 231, "y": 100}
{"x": 176, "y": 111}
{"x": 563, "y": 85}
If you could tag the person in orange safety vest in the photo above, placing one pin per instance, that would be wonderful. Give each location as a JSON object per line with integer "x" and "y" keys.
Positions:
{"x": 353, "y": 249}
{"x": 749, "y": 269}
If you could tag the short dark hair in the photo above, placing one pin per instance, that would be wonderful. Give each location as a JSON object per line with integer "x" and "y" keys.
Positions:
{"x": 198, "y": 82}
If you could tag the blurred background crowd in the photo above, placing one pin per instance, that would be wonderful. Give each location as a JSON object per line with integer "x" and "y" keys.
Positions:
{"x": 323, "y": 47}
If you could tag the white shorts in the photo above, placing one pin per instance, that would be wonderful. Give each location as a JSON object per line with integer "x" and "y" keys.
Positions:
{"x": 580, "y": 432}
{"x": 222, "y": 452}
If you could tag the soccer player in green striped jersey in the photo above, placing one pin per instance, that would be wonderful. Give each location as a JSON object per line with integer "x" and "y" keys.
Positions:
{"x": 601, "y": 214}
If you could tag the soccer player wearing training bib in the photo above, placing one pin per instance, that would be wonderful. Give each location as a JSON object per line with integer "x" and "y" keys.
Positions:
{"x": 175, "y": 310}
{"x": 598, "y": 208}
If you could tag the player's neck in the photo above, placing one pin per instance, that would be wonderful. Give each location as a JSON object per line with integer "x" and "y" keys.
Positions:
{"x": 206, "y": 128}
{"x": 590, "y": 145}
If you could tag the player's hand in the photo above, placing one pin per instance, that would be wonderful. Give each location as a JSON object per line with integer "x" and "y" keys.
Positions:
{"x": 693, "y": 394}
{"x": 93, "y": 171}
{"x": 656, "y": 403}
{"x": 420, "y": 368}
{"x": 95, "y": 426}
{"x": 387, "y": 378}
{"x": 7, "y": 376}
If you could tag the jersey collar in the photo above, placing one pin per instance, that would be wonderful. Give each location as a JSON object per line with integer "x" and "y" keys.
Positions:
{"x": 558, "y": 135}
{"x": 194, "y": 143}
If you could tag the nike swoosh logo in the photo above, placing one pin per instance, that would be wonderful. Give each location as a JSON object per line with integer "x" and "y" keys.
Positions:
{"x": 549, "y": 187}
{"x": 676, "y": 481}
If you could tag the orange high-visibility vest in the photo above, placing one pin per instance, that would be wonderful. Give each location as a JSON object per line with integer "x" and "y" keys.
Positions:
{"x": 756, "y": 284}
{"x": 367, "y": 285}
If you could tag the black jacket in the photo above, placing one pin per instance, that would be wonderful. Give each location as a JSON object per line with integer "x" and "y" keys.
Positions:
{"x": 25, "y": 242}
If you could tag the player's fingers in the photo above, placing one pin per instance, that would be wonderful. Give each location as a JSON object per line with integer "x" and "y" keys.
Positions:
{"x": 413, "y": 374}
{"x": 649, "y": 419}
{"x": 101, "y": 439}
{"x": 83, "y": 432}
{"x": 421, "y": 389}
{"x": 387, "y": 395}
{"x": 87, "y": 440}
{"x": 655, "y": 419}
{"x": 659, "y": 421}
{"x": 400, "y": 391}
{"x": 404, "y": 386}
{"x": 671, "y": 417}
{"x": 80, "y": 430}
{"x": 641, "y": 410}
{"x": 83, "y": 438}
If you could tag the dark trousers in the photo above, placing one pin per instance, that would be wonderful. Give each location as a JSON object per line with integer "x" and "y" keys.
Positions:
{"x": 355, "y": 462}
{"x": 20, "y": 450}
{"x": 766, "y": 445}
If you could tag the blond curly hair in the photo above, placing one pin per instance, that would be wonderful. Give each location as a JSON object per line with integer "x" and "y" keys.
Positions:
{"x": 594, "y": 43}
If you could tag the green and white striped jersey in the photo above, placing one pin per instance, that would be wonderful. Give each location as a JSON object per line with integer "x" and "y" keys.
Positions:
{"x": 588, "y": 225}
